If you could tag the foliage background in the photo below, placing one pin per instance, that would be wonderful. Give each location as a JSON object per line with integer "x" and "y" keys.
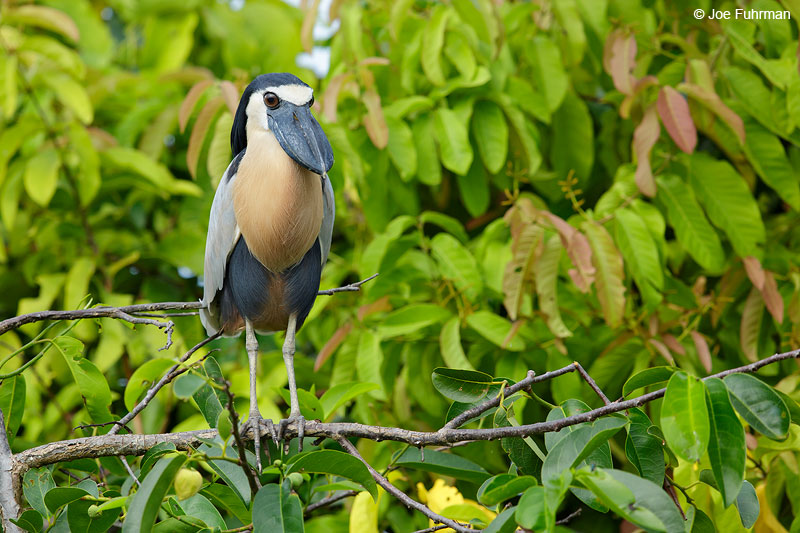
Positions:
{"x": 465, "y": 135}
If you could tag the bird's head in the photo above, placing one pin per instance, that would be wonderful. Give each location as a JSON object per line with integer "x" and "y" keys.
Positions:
{"x": 280, "y": 103}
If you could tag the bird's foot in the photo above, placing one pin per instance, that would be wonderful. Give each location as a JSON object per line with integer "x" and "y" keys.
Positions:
{"x": 301, "y": 431}
{"x": 254, "y": 423}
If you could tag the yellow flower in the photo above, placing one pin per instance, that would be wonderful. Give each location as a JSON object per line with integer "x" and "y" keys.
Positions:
{"x": 448, "y": 502}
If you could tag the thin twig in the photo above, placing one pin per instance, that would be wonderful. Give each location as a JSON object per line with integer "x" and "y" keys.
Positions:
{"x": 353, "y": 287}
{"x": 311, "y": 507}
{"x": 588, "y": 379}
{"x": 130, "y": 470}
{"x": 400, "y": 495}
{"x": 524, "y": 384}
{"x": 431, "y": 529}
{"x": 237, "y": 436}
{"x": 574, "y": 514}
{"x": 102, "y": 425}
{"x": 106, "y": 445}
{"x": 169, "y": 376}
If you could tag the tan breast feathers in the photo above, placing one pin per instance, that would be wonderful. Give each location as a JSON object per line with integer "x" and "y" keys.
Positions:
{"x": 278, "y": 204}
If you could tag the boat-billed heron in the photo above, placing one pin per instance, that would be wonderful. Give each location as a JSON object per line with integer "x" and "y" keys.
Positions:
{"x": 270, "y": 227}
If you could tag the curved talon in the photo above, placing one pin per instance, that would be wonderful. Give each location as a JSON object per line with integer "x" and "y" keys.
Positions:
{"x": 254, "y": 423}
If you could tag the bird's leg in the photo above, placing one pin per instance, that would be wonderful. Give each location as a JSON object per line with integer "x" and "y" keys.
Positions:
{"x": 288, "y": 359}
{"x": 254, "y": 420}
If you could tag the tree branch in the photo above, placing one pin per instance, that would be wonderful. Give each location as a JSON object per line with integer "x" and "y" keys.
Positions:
{"x": 105, "y": 445}
{"x": 9, "y": 486}
{"x": 400, "y": 495}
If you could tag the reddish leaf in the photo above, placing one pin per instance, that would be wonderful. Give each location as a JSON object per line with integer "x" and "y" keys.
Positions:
{"x": 201, "y": 127}
{"x": 703, "y": 353}
{"x": 673, "y": 344}
{"x": 628, "y": 101}
{"x": 772, "y": 298}
{"x": 674, "y": 112}
{"x": 607, "y": 261}
{"x": 663, "y": 350}
{"x": 754, "y": 271}
{"x": 751, "y": 324}
{"x": 307, "y": 29}
{"x": 644, "y": 138}
{"x": 187, "y": 106}
{"x": 231, "y": 95}
{"x": 526, "y": 247}
{"x": 712, "y": 101}
{"x": 330, "y": 99}
{"x": 620, "y": 61}
{"x": 381, "y": 304}
{"x": 336, "y": 339}
{"x": 579, "y": 251}
{"x": 374, "y": 122}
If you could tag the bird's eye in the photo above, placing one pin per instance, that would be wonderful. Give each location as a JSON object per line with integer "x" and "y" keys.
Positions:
{"x": 272, "y": 100}
{"x": 311, "y": 102}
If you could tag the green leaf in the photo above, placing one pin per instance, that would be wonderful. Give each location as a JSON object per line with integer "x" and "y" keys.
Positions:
{"x": 546, "y": 275}
{"x": 72, "y": 94}
{"x": 453, "y": 137}
{"x": 531, "y": 509}
{"x": 145, "y": 504}
{"x": 746, "y": 50}
{"x": 207, "y": 397}
{"x": 277, "y": 510}
{"x": 340, "y": 394}
{"x": 446, "y": 222}
{"x": 12, "y": 404}
{"x": 728, "y": 201}
{"x": 637, "y": 500}
{"x": 35, "y": 484}
{"x": 335, "y": 463}
{"x": 684, "y": 416}
{"x": 726, "y": 447}
{"x": 490, "y": 129}
{"x": 446, "y": 464}
{"x": 691, "y": 226}
{"x": 79, "y": 520}
{"x": 748, "y": 505}
{"x": 457, "y": 264}
{"x": 429, "y": 170}
{"x": 41, "y": 176}
{"x": 231, "y": 473}
{"x": 527, "y": 136}
{"x": 30, "y": 521}
{"x": 401, "y": 147}
{"x": 461, "y": 385}
{"x": 572, "y": 148}
{"x": 639, "y": 251}
{"x": 369, "y": 359}
{"x": 759, "y": 405}
{"x": 610, "y": 274}
{"x": 92, "y": 384}
{"x": 143, "y": 378}
{"x": 503, "y": 487}
{"x": 412, "y": 318}
{"x": 548, "y": 71}
{"x": 473, "y": 188}
{"x": 198, "y": 506}
{"x": 647, "y": 377}
{"x": 576, "y": 445}
{"x": 504, "y": 522}
{"x": 495, "y": 329}
{"x": 432, "y": 43}
{"x": 450, "y": 345}
{"x": 186, "y": 385}
{"x": 60, "y": 496}
{"x": 224, "y": 497}
{"x": 310, "y": 406}
{"x": 768, "y": 157}
{"x": 644, "y": 450}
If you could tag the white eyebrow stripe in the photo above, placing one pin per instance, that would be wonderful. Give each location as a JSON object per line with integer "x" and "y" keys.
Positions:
{"x": 294, "y": 93}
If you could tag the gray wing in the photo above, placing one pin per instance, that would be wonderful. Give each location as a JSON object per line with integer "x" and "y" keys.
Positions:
{"x": 223, "y": 232}
{"x": 328, "y": 214}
